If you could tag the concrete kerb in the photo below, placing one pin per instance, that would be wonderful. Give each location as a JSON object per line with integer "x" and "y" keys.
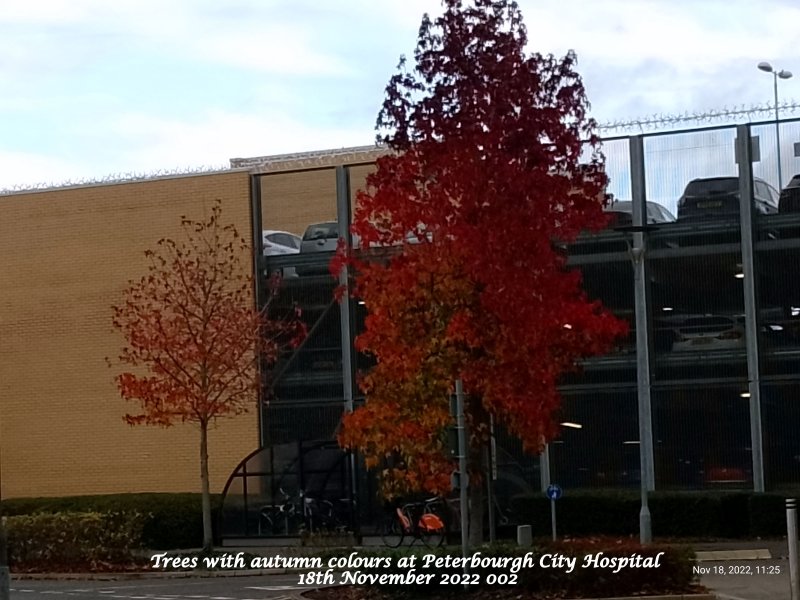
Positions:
{"x": 717, "y": 555}
{"x": 742, "y": 550}
{"x": 701, "y": 596}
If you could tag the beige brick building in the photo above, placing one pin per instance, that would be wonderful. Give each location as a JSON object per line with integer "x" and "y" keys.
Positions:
{"x": 68, "y": 253}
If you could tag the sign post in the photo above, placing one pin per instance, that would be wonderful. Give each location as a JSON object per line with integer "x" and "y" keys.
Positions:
{"x": 460, "y": 442}
{"x": 554, "y": 493}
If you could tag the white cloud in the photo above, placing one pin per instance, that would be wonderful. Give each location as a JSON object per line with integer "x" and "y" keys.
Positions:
{"x": 303, "y": 75}
{"x": 273, "y": 50}
{"x": 217, "y": 136}
{"x": 28, "y": 168}
{"x": 140, "y": 144}
{"x": 46, "y": 11}
{"x": 692, "y": 36}
{"x": 254, "y": 36}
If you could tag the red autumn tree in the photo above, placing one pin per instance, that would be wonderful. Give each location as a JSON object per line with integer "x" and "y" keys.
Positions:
{"x": 485, "y": 174}
{"x": 195, "y": 340}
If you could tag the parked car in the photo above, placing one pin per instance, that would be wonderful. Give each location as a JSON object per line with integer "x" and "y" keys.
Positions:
{"x": 622, "y": 213}
{"x": 279, "y": 242}
{"x": 324, "y": 237}
{"x": 703, "y": 333}
{"x": 719, "y": 197}
{"x": 790, "y": 196}
{"x": 320, "y": 237}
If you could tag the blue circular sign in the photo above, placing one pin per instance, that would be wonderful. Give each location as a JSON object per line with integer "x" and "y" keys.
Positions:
{"x": 554, "y": 491}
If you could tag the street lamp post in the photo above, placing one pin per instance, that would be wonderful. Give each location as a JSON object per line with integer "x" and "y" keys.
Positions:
{"x": 644, "y": 404}
{"x": 782, "y": 74}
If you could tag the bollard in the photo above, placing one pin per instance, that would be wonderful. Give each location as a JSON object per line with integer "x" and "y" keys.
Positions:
{"x": 525, "y": 536}
{"x": 5, "y": 578}
{"x": 5, "y": 582}
{"x": 791, "y": 537}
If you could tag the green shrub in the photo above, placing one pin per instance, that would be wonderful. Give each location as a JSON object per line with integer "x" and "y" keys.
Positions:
{"x": 686, "y": 515}
{"x": 581, "y": 513}
{"x": 174, "y": 520}
{"x": 74, "y": 540}
{"x": 696, "y": 514}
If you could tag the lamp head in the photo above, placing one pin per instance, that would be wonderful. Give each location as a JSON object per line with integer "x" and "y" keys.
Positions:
{"x": 765, "y": 66}
{"x": 783, "y": 74}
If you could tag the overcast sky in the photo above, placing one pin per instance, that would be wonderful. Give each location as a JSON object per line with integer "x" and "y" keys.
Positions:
{"x": 92, "y": 88}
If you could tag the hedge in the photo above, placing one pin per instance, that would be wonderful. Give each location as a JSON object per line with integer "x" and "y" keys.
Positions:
{"x": 73, "y": 541}
{"x": 173, "y": 521}
{"x": 705, "y": 514}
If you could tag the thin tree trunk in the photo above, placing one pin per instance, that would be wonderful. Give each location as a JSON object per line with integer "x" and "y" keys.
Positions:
{"x": 476, "y": 512}
{"x": 208, "y": 540}
{"x": 477, "y": 484}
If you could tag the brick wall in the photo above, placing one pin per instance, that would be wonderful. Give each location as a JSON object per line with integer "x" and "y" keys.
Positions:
{"x": 67, "y": 255}
{"x": 293, "y": 201}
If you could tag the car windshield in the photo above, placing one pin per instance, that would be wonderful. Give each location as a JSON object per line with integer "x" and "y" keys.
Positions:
{"x": 702, "y": 187}
{"x": 620, "y": 206}
{"x": 667, "y": 216}
{"x": 322, "y": 231}
{"x": 624, "y": 208}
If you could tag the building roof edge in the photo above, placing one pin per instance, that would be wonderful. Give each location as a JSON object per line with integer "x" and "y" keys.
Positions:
{"x": 311, "y": 159}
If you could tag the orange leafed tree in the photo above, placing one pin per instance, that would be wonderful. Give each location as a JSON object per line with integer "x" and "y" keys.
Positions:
{"x": 494, "y": 159}
{"x": 195, "y": 339}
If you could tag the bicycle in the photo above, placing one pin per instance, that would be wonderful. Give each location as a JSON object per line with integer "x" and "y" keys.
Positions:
{"x": 417, "y": 519}
{"x": 278, "y": 519}
{"x": 320, "y": 514}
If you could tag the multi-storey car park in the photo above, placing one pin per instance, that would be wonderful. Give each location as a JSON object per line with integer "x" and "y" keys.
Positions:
{"x": 713, "y": 300}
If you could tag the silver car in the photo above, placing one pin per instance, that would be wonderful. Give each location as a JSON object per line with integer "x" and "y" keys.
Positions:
{"x": 324, "y": 237}
{"x": 705, "y": 333}
{"x": 320, "y": 237}
{"x": 276, "y": 243}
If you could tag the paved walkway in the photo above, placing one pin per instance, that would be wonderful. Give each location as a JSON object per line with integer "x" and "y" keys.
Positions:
{"x": 745, "y": 570}
{"x": 765, "y": 579}
{"x": 741, "y": 550}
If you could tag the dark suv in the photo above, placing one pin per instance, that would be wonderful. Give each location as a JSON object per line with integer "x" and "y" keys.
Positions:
{"x": 790, "y": 196}
{"x": 716, "y": 197}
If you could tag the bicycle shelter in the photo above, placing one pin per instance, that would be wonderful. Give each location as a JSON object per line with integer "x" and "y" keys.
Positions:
{"x": 296, "y": 474}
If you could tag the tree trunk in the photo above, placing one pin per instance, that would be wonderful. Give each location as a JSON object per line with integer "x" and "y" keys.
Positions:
{"x": 208, "y": 540}
{"x": 476, "y": 511}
